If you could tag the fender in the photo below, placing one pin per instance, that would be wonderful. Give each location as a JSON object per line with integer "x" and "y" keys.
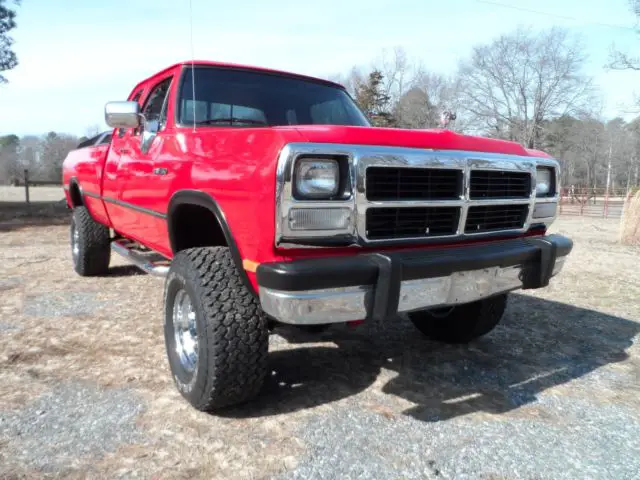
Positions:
{"x": 80, "y": 201}
{"x": 73, "y": 200}
{"x": 201, "y": 199}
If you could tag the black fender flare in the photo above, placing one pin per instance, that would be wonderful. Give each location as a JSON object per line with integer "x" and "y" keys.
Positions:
{"x": 202, "y": 199}
{"x": 74, "y": 183}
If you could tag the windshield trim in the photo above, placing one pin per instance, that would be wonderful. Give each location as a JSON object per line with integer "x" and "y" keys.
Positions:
{"x": 181, "y": 81}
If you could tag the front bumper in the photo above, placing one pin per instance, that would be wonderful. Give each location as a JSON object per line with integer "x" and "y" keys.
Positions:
{"x": 379, "y": 285}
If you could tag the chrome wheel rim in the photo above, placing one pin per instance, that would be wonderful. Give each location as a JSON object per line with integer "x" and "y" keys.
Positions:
{"x": 75, "y": 241}
{"x": 185, "y": 330}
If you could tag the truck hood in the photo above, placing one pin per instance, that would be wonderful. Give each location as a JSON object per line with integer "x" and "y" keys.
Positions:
{"x": 396, "y": 137}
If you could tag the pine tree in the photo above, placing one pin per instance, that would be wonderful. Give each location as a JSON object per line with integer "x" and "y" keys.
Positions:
{"x": 8, "y": 59}
{"x": 374, "y": 101}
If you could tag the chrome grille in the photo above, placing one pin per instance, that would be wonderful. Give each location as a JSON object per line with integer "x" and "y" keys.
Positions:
{"x": 392, "y": 183}
{"x": 412, "y": 222}
{"x": 491, "y": 218}
{"x": 499, "y": 184}
{"x": 376, "y": 200}
{"x": 404, "y": 203}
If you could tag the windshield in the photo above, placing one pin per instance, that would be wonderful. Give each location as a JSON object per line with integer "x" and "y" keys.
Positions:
{"x": 240, "y": 98}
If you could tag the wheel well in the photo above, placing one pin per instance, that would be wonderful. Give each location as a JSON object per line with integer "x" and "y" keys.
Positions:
{"x": 194, "y": 226}
{"x": 76, "y": 196}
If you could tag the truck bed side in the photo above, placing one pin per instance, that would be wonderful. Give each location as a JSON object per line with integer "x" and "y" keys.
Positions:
{"x": 82, "y": 172}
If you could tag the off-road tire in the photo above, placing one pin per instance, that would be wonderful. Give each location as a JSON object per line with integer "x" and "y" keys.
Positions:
{"x": 462, "y": 323}
{"x": 93, "y": 244}
{"x": 232, "y": 333}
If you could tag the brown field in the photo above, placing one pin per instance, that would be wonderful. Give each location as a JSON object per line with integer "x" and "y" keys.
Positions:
{"x": 85, "y": 389}
{"x": 36, "y": 194}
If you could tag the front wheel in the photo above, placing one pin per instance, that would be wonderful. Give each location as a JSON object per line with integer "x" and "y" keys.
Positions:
{"x": 461, "y": 323}
{"x": 216, "y": 334}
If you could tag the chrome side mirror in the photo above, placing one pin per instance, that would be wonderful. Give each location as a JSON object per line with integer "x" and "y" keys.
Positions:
{"x": 150, "y": 129}
{"x": 122, "y": 114}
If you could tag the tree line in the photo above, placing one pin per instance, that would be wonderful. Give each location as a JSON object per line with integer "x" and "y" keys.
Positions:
{"x": 41, "y": 155}
{"x": 526, "y": 86}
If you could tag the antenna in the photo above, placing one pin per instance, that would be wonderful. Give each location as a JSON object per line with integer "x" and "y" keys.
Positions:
{"x": 193, "y": 72}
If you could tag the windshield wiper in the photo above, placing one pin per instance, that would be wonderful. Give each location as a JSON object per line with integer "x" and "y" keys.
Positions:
{"x": 231, "y": 121}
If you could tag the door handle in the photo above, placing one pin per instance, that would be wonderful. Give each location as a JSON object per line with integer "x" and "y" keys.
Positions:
{"x": 124, "y": 151}
{"x": 159, "y": 171}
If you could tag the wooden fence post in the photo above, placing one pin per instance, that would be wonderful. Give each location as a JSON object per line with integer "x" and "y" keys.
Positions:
{"x": 26, "y": 188}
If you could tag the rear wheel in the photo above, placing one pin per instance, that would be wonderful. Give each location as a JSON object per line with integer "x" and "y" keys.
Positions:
{"x": 461, "y": 323}
{"x": 216, "y": 334}
{"x": 90, "y": 244}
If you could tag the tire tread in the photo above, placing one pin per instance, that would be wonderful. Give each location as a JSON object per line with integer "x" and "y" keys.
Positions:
{"x": 236, "y": 329}
{"x": 94, "y": 244}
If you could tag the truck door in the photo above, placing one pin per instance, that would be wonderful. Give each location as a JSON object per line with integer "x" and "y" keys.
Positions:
{"x": 114, "y": 175}
{"x": 135, "y": 198}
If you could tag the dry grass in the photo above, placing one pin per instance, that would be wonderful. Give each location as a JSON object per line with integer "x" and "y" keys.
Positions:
{"x": 630, "y": 224}
{"x": 120, "y": 343}
{"x": 36, "y": 194}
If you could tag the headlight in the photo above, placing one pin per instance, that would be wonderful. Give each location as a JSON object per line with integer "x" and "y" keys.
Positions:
{"x": 317, "y": 178}
{"x": 544, "y": 178}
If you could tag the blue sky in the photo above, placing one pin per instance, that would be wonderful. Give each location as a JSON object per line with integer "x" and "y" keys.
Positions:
{"x": 75, "y": 56}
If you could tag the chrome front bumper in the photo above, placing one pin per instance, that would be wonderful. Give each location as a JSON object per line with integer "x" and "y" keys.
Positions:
{"x": 389, "y": 296}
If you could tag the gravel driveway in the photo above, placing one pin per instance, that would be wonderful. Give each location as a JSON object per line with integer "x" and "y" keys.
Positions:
{"x": 552, "y": 393}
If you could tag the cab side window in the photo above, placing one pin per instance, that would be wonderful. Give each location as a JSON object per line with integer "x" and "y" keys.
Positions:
{"x": 155, "y": 107}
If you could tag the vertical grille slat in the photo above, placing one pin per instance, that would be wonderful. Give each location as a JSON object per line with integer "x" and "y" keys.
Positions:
{"x": 411, "y": 222}
{"x": 393, "y": 183}
{"x": 485, "y": 184}
{"x": 495, "y": 217}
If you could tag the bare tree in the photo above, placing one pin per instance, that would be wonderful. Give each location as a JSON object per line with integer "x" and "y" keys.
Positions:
{"x": 9, "y": 160}
{"x": 55, "y": 147}
{"x": 591, "y": 141}
{"x": 30, "y": 153}
{"x": 396, "y": 71}
{"x": 354, "y": 79}
{"x": 512, "y": 85}
{"x": 92, "y": 130}
{"x": 415, "y": 110}
{"x": 634, "y": 131}
{"x": 619, "y": 60}
{"x": 429, "y": 96}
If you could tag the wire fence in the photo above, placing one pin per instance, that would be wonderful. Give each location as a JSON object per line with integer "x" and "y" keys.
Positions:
{"x": 29, "y": 194}
{"x": 593, "y": 202}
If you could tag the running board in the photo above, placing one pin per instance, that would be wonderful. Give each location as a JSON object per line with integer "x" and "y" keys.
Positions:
{"x": 150, "y": 262}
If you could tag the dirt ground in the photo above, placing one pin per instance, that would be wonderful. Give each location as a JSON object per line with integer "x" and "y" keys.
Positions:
{"x": 553, "y": 392}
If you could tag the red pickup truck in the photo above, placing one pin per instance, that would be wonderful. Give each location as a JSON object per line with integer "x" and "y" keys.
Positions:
{"x": 264, "y": 196}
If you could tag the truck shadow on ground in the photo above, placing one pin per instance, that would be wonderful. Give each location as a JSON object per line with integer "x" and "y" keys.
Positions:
{"x": 124, "y": 271}
{"x": 540, "y": 344}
